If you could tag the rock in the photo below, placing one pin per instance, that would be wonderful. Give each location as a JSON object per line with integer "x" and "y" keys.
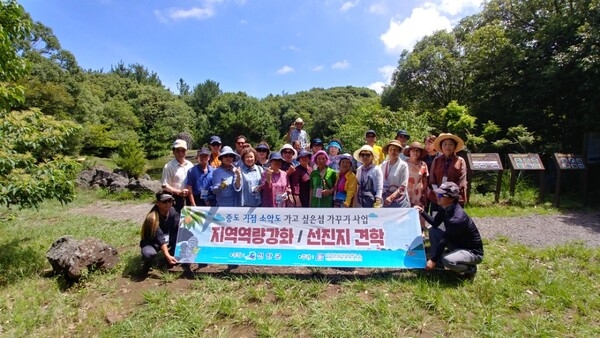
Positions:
{"x": 117, "y": 183}
{"x": 143, "y": 185}
{"x": 71, "y": 257}
{"x": 85, "y": 178}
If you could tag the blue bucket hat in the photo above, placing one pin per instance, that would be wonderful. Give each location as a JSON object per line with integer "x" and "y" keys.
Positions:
{"x": 226, "y": 150}
{"x": 275, "y": 156}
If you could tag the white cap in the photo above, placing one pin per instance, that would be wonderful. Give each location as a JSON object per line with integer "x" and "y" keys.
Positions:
{"x": 180, "y": 144}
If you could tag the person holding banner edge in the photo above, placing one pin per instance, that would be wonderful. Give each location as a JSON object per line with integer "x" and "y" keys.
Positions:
{"x": 461, "y": 236}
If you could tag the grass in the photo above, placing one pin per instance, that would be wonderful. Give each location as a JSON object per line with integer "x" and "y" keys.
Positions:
{"x": 519, "y": 291}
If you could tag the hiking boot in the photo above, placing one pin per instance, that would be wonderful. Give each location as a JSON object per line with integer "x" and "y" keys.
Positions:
{"x": 470, "y": 272}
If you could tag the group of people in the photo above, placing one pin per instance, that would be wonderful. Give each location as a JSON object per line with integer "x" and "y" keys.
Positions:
{"x": 310, "y": 174}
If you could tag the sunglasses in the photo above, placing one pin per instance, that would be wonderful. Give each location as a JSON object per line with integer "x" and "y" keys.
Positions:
{"x": 402, "y": 136}
{"x": 441, "y": 195}
{"x": 364, "y": 154}
{"x": 240, "y": 143}
{"x": 228, "y": 156}
{"x": 287, "y": 152}
{"x": 262, "y": 150}
{"x": 215, "y": 144}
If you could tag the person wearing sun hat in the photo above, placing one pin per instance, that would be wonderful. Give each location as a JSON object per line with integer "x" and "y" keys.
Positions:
{"x": 322, "y": 181}
{"x": 448, "y": 167}
{"x": 296, "y": 133}
{"x": 395, "y": 177}
{"x": 369, "y": 177}
{"x": 174, "y": 175}
{"x": 346, "y": 184}
{"x": 461, "y": 236}
{"x": 417, "y": 173}
{"x": 274, "y": 183}
{"x": 227, "y": 179}
{"x": 300, "y": 181}
{"x": 289, "y": 154}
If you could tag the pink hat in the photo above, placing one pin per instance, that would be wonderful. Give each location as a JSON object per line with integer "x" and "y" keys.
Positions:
{"x": 320, "y": 152}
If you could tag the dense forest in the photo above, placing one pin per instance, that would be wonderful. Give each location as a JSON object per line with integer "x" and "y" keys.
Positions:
{"x": 520, "y": 76}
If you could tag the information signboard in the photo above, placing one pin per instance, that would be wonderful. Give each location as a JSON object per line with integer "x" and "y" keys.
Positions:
{"x": 484, "y": 161}
{"x": 569, "y": 161}
{"x": 526, "y": 162}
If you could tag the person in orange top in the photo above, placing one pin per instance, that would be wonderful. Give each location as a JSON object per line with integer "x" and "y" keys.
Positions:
{"x": 215, "y": 150}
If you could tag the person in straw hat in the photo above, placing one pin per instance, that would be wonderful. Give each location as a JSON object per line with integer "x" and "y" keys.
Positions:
{"x": 395, "y": 177}
{"x": 448, "y": 167}
{"x": 370, "y": 178}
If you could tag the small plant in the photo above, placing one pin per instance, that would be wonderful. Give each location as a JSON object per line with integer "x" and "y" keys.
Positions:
{"x": 131, "y": 158}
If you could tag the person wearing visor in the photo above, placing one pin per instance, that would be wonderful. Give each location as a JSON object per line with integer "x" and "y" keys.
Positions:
{"x": 459, "y": 247}
{"x": 300, "y": 181}
{"x": 334, "y": 148}
{"x": 159, "y": 231}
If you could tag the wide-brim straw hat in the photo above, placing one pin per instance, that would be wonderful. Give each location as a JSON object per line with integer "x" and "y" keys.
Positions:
{"x": 392, "y": 143}
{"x": 368, "y": 148}
{"x": 414, "y": 145}
{"x": 437, "y": 144}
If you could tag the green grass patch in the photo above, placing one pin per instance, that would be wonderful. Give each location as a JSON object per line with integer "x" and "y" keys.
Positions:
{"x": 519, "y": 291}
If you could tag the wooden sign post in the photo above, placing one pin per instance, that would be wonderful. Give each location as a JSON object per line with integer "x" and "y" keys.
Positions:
{"x": 569, "y": 162}
{"x": 485, "y": 162}
{"x": 526, "y": 162}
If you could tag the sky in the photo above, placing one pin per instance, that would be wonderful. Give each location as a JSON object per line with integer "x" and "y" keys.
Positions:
{"x": 259, "y": 47}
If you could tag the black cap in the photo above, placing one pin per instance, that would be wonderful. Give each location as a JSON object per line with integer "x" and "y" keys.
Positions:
{"x": 370, "y": 131}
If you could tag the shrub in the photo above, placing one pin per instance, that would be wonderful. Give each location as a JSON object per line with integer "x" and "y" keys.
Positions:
{"x": 131, "y": 158}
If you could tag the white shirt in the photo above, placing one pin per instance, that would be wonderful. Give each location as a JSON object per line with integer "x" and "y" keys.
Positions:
{"x": 174, "y": 174}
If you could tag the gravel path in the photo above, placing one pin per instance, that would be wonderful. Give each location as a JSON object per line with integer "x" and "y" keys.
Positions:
{"x": 535, "y": 231}
{"x": 539, "y": 231}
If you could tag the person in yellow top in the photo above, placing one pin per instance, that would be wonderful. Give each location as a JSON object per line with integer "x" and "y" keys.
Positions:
{"x": 346, "y": 183}
{"x": 371, "y": 138}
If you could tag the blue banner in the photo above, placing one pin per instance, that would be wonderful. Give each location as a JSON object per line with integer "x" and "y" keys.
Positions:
{"x": 318, "y": 237}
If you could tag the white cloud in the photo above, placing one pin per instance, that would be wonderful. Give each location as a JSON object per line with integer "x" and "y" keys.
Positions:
{"x": 348, "y": 5}
{"x": 377, "y": 86}
{"x": 200, "y": 13}
{"x": 292, "y": 48}
{"x": 284, "y": 70}
{"x": 341, "y": 65}
{"x": 454, "y": 7}
{"x": 378, "y": 8}
{"x": 243, "y": 22}
{"x": 317, "y": 68}
{"x": 422, "y": 21}
{"x": 387, "y": 72}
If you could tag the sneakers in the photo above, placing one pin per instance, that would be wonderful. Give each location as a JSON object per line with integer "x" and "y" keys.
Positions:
{"x": 470, "y": 272}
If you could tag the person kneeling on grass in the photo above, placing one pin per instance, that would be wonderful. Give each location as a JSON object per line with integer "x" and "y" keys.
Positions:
{"x": 461, "y": 236}
{"x": 159, "y": 231}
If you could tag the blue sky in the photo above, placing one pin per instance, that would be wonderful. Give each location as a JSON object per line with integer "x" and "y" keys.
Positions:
{"x": 259, "y": 47}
